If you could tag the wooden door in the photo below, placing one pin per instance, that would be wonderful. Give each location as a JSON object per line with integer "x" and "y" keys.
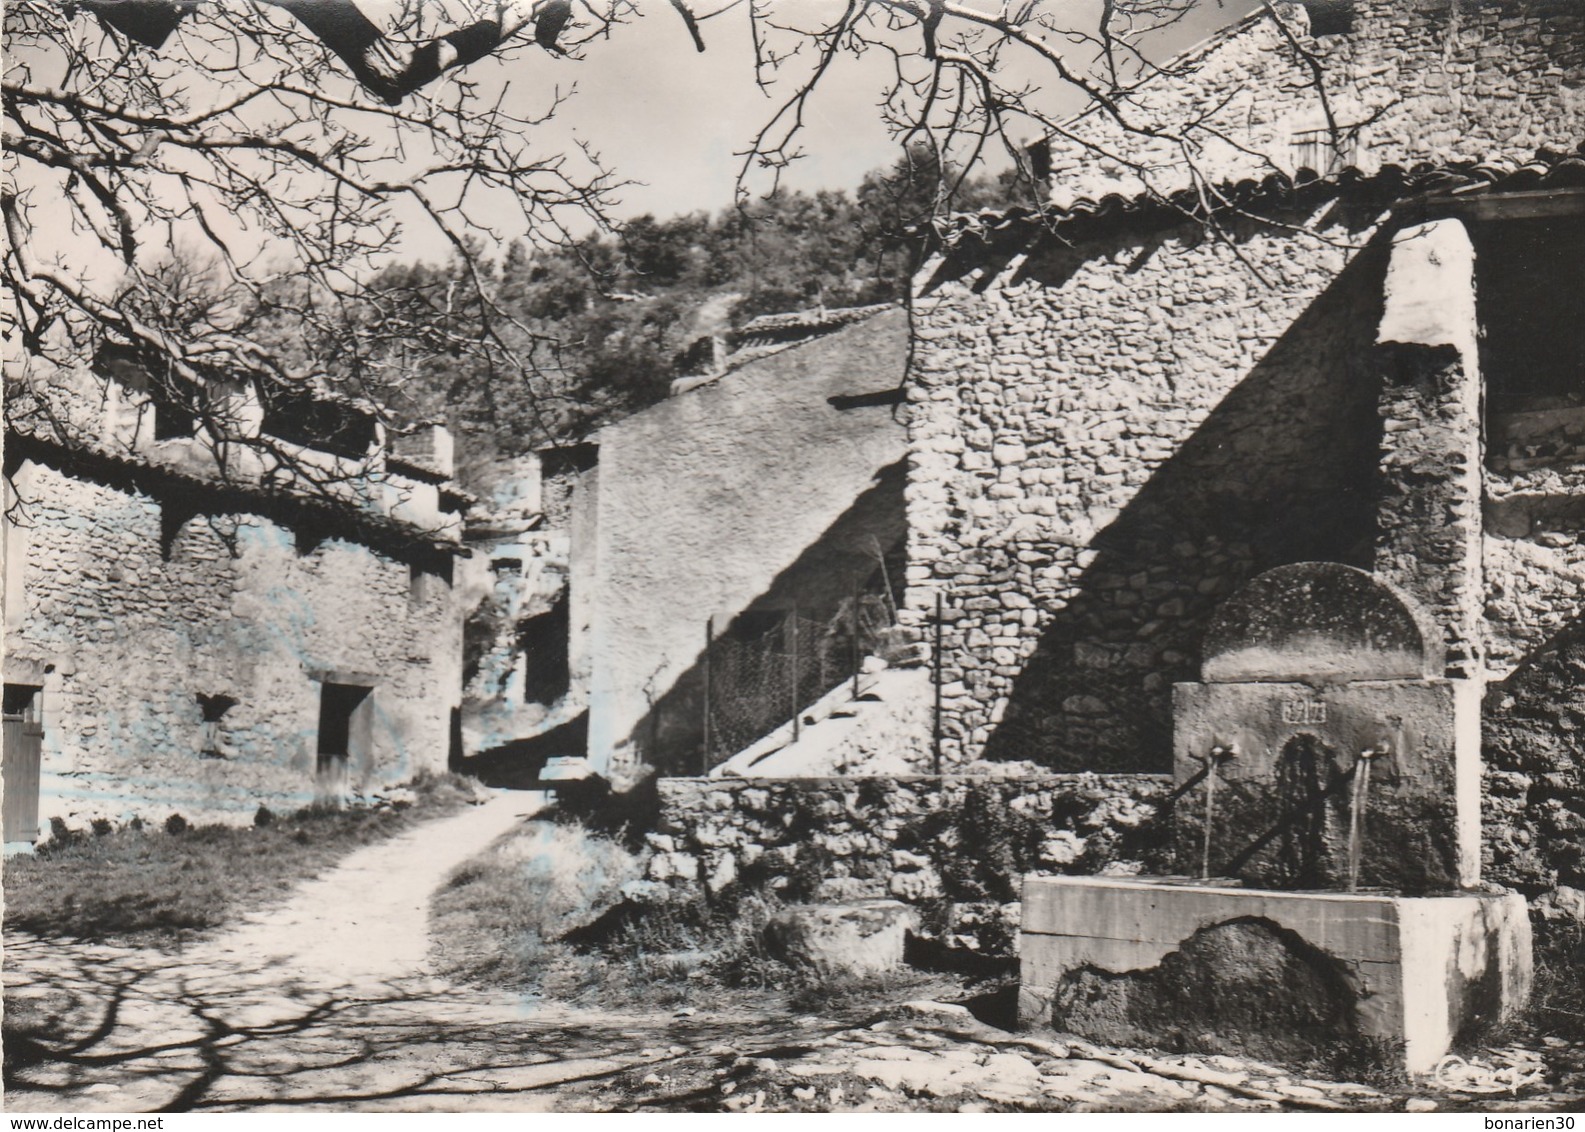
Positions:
{"x": 24, "y": 745}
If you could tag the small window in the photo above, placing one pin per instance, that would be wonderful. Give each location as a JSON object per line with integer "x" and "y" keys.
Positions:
{"x": 173, "y": 421}
{"x": 176, "y": 401}
{"x": 1316, "y": 150}
{"x": 423, "y": 582}
{"x": 212, "y": 710}
{"x": 21, "y": 702}
{"x": 298, "y": 417}
{"x": 1330, "y": 17}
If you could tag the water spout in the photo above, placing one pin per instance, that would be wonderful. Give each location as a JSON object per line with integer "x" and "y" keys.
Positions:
{"x": 1219, "y": 754}
{"x": 1357, "y": 807}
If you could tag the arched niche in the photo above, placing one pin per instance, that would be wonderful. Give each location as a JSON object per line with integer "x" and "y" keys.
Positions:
{"x": 1320, "y": 622}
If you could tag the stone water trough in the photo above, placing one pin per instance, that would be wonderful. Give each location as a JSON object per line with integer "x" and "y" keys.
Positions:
{"x": 1327, "y": 821}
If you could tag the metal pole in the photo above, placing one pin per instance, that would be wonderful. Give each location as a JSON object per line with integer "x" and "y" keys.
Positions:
{"x": 935, "y": 662}
{"x": 709, "y": 639}
{"x": 1210, "y": 815}
{"x": 792, "y": 656}
{"x": 855, "y": 649}
{"x": 1213, "y": 761}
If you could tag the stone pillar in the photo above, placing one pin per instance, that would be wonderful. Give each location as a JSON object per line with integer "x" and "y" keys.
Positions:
{"x": 586, "y": 638}
{"x": 1428, "y": 522}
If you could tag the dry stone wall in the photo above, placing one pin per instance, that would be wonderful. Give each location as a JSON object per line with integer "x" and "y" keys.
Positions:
{"x": 123, "y": 635}
{"x": 1534, "y": 812}
{"x": 958, "y": 845}
{"x": 1533, "y": 320}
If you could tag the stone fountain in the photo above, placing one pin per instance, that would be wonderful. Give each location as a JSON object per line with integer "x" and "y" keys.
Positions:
{"x": 1327, "y": 812}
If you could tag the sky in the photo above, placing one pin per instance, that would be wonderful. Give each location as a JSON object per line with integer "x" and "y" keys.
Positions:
{"x": 661, "y": 114}
{"x": 672, "y": 120}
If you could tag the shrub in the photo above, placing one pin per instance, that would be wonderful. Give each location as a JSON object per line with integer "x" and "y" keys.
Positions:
{"x": 1377, "y": 1062}
{"x": 263, "y": 817}
{"x": 62, "y": 837}
{"x": 102, "y": 826}
{"x": 531, "y": 888}
{"x": 996, "y": 846}
{"x": 176, "y": 824}
{"x": 1557, "y": 1002}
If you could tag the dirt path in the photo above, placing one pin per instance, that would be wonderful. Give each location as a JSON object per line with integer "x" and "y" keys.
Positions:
{"x": 367, "y": 920}
{"x": 325, "y": 1004}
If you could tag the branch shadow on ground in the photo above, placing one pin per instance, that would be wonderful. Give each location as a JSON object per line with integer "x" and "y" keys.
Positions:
{"x": 89, "y": 1027}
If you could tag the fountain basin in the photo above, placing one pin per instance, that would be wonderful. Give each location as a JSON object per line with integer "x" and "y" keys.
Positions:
{"x": 1176, "y": 964}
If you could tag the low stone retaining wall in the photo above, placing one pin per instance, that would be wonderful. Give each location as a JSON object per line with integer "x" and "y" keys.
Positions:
{"x": 956, "y": 845}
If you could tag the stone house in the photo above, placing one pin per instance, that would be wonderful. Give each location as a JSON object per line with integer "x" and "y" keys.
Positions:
{"x": 1366, "y": 351}
{"x": 519, "y": 694}
{"x": 770, "y": 479}
{"x": 215, "y": 604}
{"x": 1352, "y": 330}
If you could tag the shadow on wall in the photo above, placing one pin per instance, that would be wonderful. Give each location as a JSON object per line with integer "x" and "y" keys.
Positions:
{"x": 1282, "y": 470}
{"x": 822, "y": 578}
{"x": 517, "y": 765}
{"x": 1534, "y": 792}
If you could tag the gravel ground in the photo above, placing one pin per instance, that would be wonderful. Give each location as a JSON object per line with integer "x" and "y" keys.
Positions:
{"x": 326, "y": 1004}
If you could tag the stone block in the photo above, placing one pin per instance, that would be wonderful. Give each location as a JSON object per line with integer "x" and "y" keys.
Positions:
{"x": 1161, "y": 962}
{"x": 859, "y": 938}
{"x": 1320, "y": 622}
{"x": 1297, "y": 747}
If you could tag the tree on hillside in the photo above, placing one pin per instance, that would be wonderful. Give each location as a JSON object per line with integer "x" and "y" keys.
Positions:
{"x": 293, "y": 143}
{"x": 613, "y": 319}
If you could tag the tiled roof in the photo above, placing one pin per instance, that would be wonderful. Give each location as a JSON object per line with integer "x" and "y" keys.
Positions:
{"x": 772, "y": 333}
{"x": 1548, "y": 170}
{"x": 216, "y": 494}
{"x": 818, "y": 319}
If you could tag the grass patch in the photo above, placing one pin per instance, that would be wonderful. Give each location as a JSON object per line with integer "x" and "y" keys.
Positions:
{"x": 146, "y": 887}
{"x": 542, "y": 912}
{"x": 501, "y": 915}
{"x": 1557, "y": 1000}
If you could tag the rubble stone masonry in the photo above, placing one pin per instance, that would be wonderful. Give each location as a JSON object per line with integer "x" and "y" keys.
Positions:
{"x": 1105, "y": 444}
{"x": 1113, "y": 427}
{"x": 126, "y": 619}
{"x": 957, "y": 845}
{"x": 1406, "y": 81}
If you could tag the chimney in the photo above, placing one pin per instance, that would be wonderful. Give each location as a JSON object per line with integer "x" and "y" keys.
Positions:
{"x": 429, "y": 445}
{"x": 1037, "y": 160}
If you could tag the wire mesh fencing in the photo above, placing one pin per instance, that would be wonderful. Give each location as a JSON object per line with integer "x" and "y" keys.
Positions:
{"x": 770, "y": 666}
{"x": 1078, "y": 703}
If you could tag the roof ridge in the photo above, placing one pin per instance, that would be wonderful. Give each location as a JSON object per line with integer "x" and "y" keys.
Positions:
{"x": 1547, "y": 169}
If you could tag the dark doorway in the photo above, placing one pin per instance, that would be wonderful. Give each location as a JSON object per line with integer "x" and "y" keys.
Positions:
{"x": 547, "y": 673}
{"x": 24, "y": 744}
{"x": 213, "y": 710}
{"x": 346, "y": 716}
